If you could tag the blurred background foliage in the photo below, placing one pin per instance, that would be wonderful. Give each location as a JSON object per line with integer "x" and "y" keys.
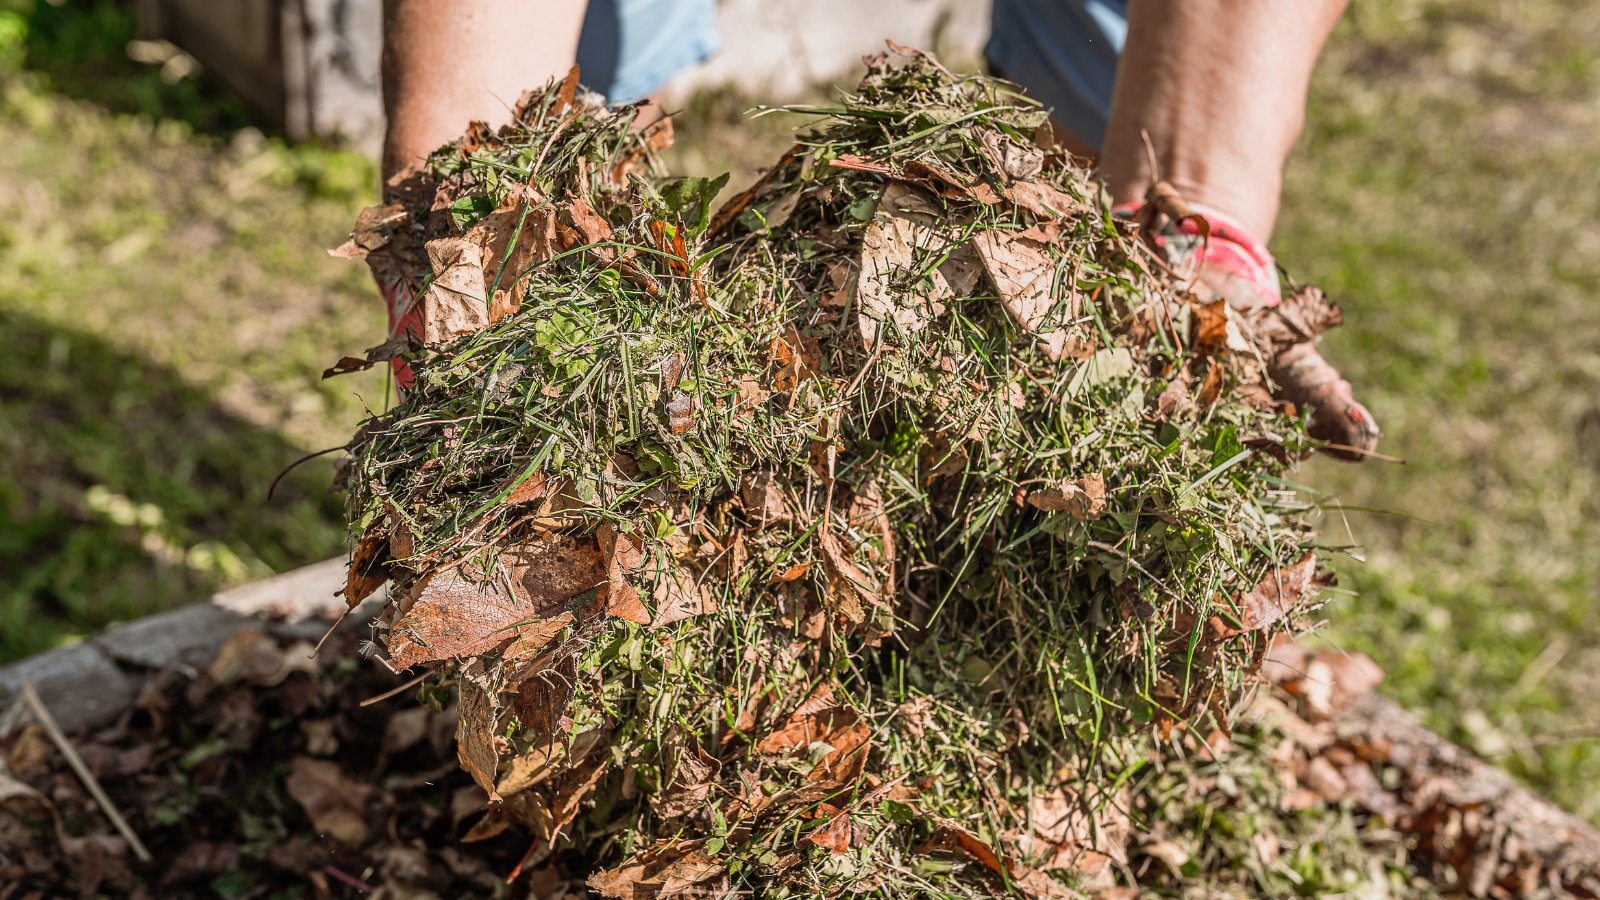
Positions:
{"x": 169, "y": 310}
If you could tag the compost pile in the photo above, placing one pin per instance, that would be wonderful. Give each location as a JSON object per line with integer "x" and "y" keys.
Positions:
{"x": 871, "y": 531}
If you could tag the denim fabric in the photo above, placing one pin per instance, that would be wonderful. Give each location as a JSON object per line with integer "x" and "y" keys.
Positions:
{"x": 1065, "y": 53}
{"x": 629, "y": 48}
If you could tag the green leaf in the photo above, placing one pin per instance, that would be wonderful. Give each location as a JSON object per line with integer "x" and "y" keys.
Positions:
{"x": 690, "y": 199}
{"x": 467, "y": 211}
{"x": 1224, "y": 444}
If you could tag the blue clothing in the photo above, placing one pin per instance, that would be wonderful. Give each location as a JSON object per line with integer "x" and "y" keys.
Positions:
{"x": 1065, "y": 53}
{"x": 629, "y": 48}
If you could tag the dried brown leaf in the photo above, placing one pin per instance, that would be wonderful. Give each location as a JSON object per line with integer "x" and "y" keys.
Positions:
{"x": 679, "y": 596}
{"x": 373, "y": 225}
{"x": 541, "y": 700}
{"x": 454, "y": 617}
{"x": 1044, "y": 200}
{"x": 525, "y": 216}
{"x": 1010, "y": 158}
{"x": 833, "y": 835}
{"x": 764, "y": 499}
{"x": 887, "y": 288}
{"x": 1023, "y": 276}
{"x": 690, "y": 776}
{"x": 1276, "y": 595}
{"x": 335, "y": 804}
{"x": 368, "y": 566}
{"x": 1083, "y": 498}
{"x": 455, "y": 303}
{"x": 680, "y": 413}
{"x": 850, "y": 587}
{"x": 477, "y": 721}
{"x": 664, "y": 869}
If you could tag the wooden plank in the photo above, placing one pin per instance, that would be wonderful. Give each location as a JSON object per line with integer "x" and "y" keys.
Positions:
{"x": 91, "y": 683}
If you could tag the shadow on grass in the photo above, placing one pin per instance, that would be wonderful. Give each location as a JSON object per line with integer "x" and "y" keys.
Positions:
{"x": 127, "y": 490}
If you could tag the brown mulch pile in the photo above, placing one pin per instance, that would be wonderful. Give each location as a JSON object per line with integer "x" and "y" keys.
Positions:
{"x": 262, "y": 776}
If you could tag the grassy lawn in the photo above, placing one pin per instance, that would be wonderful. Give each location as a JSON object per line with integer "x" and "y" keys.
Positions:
{"x": 169, "y": 309}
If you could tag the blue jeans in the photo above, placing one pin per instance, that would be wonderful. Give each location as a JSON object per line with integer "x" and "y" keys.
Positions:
{"x": 1065, "y": 53}
{"x": 629, "y": 48}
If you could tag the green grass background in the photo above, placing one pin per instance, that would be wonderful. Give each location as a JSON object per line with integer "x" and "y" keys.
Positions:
{"x": 166, "y": 309}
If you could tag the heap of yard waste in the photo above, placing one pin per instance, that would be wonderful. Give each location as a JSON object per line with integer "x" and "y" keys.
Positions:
{"x": 870, "y": 531}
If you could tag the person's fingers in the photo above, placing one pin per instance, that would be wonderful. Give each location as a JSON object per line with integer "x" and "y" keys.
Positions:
{"x": 1334, "y": 416}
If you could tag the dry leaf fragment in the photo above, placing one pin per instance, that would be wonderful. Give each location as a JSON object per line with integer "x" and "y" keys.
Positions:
{"x": 455, "y": 303}
{"x": 534, "y": 486}
{"x": 1274, "y": 597}
{"x": 764, "y": 499}
{"x": 548, "y": 573}
{"x": 454, "y": 617}
{"x": 664, "y": 869}
{"x": 1045, "y": 201}
{"x": 946, "y": 182}
{"x": 891, "y": 245}
{"x": 541, "y": 701}
{"x": 850, "y": 587}
{"x": 591, "y": 227}
{"x": 833, "y": 835}
{"x": 534, "y": 637}
{"x": 1083, "y": 498}
{"x": 528, "y": 218}
{"x": 689, "y": 777}
{"x": 678, "y": 596}
{"x": 680, "y": 413}
{"x": 477, "y": 723}
{"x": 373, "y": 225}
{"x": 796, "y": 357}
{"x": 1008, "y": 157}
{"x": 368, "y": 566}
{"x": 1023, "y": 276}
{"x": 1215, "y": 328}
{"x": 382, "y": 353}
{"x": 335, "y": 804}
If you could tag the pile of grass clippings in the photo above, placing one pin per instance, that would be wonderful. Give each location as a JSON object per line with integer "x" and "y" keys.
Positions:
{"x": 885, "y": 528}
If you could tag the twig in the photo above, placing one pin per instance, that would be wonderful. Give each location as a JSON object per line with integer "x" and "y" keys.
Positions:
{"x": 41, "y": 714}
{"x": 399, "y": 689}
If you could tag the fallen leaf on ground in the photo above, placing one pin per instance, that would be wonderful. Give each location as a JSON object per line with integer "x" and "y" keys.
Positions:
{"x": 763, "y": 499}
{"x": 850, "y": 586}
{"x": 689, "y": 777}
{"x": 336, "y": 805}
{"x": 680, "y": 413}
{"x": 834, "y": 835}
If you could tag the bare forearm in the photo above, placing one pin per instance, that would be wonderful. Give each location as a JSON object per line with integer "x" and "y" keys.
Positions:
{"x": 1220, "y": 87}
{"x": 450, "y": 62}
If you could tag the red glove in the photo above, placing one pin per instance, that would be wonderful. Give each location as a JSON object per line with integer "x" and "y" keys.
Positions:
{"x": 1230, "y": 263}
